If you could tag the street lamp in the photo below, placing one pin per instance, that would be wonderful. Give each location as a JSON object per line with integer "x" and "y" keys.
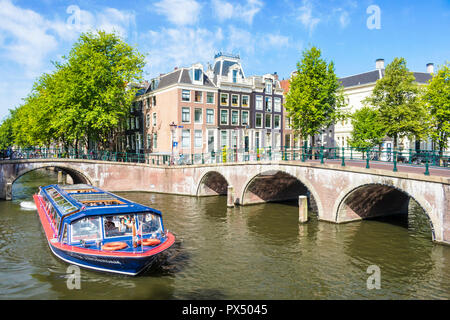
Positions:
{"x": 173, "y": 126}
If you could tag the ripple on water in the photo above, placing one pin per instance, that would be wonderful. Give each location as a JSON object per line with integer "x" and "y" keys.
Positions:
{"x": 255, "y": 252}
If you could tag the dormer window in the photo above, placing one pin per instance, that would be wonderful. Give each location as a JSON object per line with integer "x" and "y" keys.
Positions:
{"x": 197, "y": 74}
{"x": 268, "y": 87}
{"x": 235, "y": 72}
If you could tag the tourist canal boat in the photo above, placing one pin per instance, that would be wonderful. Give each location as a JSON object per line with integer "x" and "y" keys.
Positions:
{"x": 91, "y": 228}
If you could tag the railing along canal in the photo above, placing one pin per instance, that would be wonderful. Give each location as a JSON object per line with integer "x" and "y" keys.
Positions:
{"x": 344, "y": 156}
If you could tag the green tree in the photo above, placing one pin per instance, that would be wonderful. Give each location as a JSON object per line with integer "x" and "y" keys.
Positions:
{"x": 437, "y": 101}
{"x": 396, "y": 97}
{"x": 96, "y": 97}
{"x": 315, "y": 95}
{"x": 6, "y": 131}
{"x": 86, "y": 97}
{"x": 368, "y": 130}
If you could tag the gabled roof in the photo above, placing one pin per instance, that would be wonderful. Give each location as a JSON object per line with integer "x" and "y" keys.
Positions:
{"x": 180, "y": 76}
{"x": 373, "y": 76}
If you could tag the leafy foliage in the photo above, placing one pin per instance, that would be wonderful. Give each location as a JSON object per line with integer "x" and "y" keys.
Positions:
{"x": 437, "y": 100}
{"x": 368, "y": 130}
{"x": 396, "y": 97}
{"x": 315, "y": 95}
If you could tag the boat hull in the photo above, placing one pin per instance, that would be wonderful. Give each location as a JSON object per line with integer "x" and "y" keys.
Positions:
{"x": 121, "y": 265}
{"x": 128, "y": 263}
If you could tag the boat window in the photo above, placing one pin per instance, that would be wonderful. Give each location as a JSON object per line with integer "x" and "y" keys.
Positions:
{"x": 62, "y": 203}
{"x": 118, "y": 225}
{"x": 87, "y": 229}
{"x": 151, "y": 223}
{"x": 64, "y": 238}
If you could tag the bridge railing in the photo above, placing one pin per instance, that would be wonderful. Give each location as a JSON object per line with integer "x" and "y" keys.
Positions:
{"x": 344, "y": 156}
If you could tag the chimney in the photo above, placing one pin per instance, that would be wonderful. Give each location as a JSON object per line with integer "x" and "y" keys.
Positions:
{"x": 176, "y": 68}
{"x": 379, "y": 64}
{"x": 430, "y": 67}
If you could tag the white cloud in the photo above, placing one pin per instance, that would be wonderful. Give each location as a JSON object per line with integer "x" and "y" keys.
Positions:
{"x": 179, "y": 12}
{"x": 29, "y": 41}
{"x": 344, "y": 19}
{"x": 25, "y": 37}
{"x": 28, "y": 38}
{"x": 179, "y": 47}
{"x": 277, "y": 40}
{"x": 226, "y": 10}
{"x": 305, "y": 16}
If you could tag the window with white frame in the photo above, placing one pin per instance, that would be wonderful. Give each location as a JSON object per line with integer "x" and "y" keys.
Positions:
{"x": 154, "y": 119}
{"x": 197, "y": 74}
{"x": 276, "y": 121}
{"x": 186, "y": 138}
{"x": 235, "y": 117}
{"x": 268, "y": 120}
{"x": 277, "y": 104}
{"x": 198, "y": 115}
{"x": 224, "y": 117}
{"x": 210, "y": 97}
{"x": 258, "y": 120}
{"x": 223, "y": 138}
{"x": 185, "y": 115}
{"x": 244, "y": 118}
{"x": 149, "y": 140}
{"x": 147, "y": 120}
{"x": 155, "y": 141}
{"x": 224, "y": 99}
{"x": 186, "y": 95}
{"x": 137, "y": 122}
{"x": 235, "y": 100}
{"x": 268, "y": 87}
{"x": 210, "y": 116}
{"x": 245, "y": 101}
{"x": 198, "y": 96}
{"x": 268, "y": 104}
{"x": 198, "y": 139}
{"x": 259, "y": 103}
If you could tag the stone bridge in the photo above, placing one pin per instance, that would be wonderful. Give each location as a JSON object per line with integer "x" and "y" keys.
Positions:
{"x": 338, "y": 194}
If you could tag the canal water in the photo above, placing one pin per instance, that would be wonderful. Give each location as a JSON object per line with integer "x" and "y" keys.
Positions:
{"x": 255, "y": 252}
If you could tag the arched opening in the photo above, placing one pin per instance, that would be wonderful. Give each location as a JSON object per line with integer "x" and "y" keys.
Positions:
{"x": 384, "y": 203}
{"x": 27, "y": 181}
{"x": 277, "y": 186}
{"x": 212, "y": 184}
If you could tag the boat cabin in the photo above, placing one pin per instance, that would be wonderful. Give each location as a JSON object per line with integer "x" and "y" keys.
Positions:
{"x": 83, "y": 215}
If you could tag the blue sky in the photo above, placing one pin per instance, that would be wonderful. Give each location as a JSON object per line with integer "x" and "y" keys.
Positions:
{"x": 268, "y": 35}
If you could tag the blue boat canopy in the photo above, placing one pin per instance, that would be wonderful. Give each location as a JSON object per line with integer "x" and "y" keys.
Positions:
{"x": 73, "y": 202}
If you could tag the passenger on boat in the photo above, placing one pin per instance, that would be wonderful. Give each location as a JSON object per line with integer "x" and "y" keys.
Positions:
{"x": 109, "y": 224}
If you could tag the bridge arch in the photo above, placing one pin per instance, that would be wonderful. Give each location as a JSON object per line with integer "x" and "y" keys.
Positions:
{"x": 282, "y": 186}
{"x": 212, "y": 183}
{"x": 77, "y": 175}
{"x": 372, "y": 200}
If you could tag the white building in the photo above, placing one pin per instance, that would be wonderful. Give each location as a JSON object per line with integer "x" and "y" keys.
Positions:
{"x": 360, "y": 86}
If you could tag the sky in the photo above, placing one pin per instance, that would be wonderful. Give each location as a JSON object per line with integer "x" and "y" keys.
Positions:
{"x": 269, "y": 35}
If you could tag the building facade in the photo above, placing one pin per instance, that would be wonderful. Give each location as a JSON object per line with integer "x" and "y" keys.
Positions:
{"x": 249, "y": 108}
{"x": 360, "y": 86}
{"x": 180, "y": 110}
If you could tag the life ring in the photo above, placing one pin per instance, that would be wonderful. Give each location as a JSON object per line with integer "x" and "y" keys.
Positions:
{"x": 114, "y": 246}
{"x": 150, "y": 242}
